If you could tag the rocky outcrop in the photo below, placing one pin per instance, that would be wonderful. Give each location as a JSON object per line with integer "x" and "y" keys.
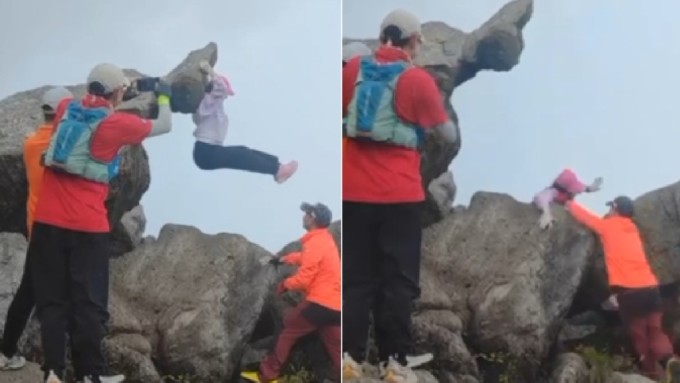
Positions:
{"x": 569, "y": 368}
{"x": 20, "y": 114}
{"x": 489, "y": 273}
{"x": 454, "y": 57}
{"x": 12, "y": 257}
{"x": 186, "y": 303}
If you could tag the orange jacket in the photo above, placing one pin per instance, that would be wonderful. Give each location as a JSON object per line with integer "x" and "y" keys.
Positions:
{"x": 624, "y": 253}
{"x": 318, "y": 274}
{"x": 34, "y": 146}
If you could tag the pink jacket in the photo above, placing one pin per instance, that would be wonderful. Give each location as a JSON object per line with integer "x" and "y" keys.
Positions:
{"x": 567, "y": 180}
{"x": 210, "y": 119}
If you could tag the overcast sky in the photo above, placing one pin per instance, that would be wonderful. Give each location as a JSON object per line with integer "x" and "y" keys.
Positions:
{"x": 597, "y": 89}
{"x": 282, "y": 59}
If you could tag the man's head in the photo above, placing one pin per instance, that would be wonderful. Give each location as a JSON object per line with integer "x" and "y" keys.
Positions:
{"x": 51, "y": 100}
{"x": 317, "y": 216}
{"x": 354, "y": 49}
{"x": 401, "y": 29}
{"x": 108, "y": 81}
{"x": 621, "y": 206}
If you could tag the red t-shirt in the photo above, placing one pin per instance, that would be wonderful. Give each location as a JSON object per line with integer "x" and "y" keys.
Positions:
{"x": 74, "y": 203}
{"x": 380, "y": 173}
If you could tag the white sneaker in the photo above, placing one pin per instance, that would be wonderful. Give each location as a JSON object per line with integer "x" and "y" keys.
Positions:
{"x": 104, "y": 379}
{"x": 350, "y": 368}
{"x": 52, "y": 378}
{"x": 14, "y": 363}
{"x": 412, "y": 361}
{"x": 396, "y": 373}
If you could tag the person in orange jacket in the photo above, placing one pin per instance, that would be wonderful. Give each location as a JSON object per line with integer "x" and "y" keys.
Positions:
{"x": 318, "y": 278}
{"x": 20, "y": 309}
{"x": 635, "y": 285}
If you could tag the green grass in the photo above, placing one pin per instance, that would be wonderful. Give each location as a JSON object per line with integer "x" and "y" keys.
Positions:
{"x": 602, "y": 364}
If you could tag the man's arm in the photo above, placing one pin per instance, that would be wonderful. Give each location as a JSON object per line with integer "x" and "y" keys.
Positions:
{"x": 429, "y": 107}
{"x": 293, "y": 258}
{"x": 585, "y": 216}
{"x": 163, "y": 123}
{"x": 309, "y": 267}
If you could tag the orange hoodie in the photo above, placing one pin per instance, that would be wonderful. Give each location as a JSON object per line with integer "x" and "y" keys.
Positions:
{"x": 34, "y": 146}
{"x": 318, "y": 274}
{"x": 624, "y": 253}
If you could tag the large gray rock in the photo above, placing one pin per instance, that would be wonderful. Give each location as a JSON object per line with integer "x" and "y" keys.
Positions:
{"x": 29, "y": 374}
{"x": 186, "y": 304}
{"x": 569, "y": 368}
{"x": 454, "y": 57}
{"x": 509, "y": 283}
{"x": 618, "y": 377}
{"x": 20, "y": 114}
{"x": 12, "y": 258}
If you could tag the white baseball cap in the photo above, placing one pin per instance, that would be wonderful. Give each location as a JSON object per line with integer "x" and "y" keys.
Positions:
{"x": 109, "y": 76}
{"x": 52, "y": 98}
{"x": 354, "y": 49}
{"x": 407, "y": 22}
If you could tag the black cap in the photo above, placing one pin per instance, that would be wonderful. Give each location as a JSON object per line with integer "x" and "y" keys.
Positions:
{"x": 321, "y": 213}
{"x": 623, "y": 205}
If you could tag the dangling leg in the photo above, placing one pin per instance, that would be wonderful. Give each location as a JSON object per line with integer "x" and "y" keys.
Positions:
{"x": 211, "y": 157}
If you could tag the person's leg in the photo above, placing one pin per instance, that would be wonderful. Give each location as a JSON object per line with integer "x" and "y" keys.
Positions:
{"x": 660, "y": 347}
{"x": 18, "y": 312}
{"x": 48, "y": 267}
{"x": 360, "y": 275}
{"x": 330, "y": 336}
{"x": 212, "y": 157}
{"x": 382, "y": 340}
{"x": 400, "y": 242}
{"x": 295, "y": 326}
{"x": 89, "y": 283}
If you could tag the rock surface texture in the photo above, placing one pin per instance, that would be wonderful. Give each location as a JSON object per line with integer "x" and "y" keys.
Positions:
{"x": 454, "y": 57}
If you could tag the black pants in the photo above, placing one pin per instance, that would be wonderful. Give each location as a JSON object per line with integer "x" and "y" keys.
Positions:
{"x": 211, "y": 157}
{"x": 18, "y": 313}
{"x": 70, "y": 273}
{"x": 381, "y": 272}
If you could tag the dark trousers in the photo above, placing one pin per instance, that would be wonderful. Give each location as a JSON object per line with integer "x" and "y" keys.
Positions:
{"x": 640, "y": 311}
{"x": 18, "y": 313}
{"x": 303, "y": 320}
{"x": 70, "y": 274}
{"x": 211, "y": 157}
{"x": 381, "y": 273}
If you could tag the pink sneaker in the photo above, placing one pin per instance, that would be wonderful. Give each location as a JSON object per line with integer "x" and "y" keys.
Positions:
{"x": 286, "y": 171}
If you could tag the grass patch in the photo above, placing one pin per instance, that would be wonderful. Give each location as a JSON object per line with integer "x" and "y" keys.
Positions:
{"x": 602, "y": 364}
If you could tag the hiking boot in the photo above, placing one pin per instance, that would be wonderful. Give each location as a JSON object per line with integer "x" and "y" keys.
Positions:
{"x": 286, "y": 171}
{"x": 672, "y": 371}
{"x": 350, "y": 368}
{"x": 52, "y": 377}
{"x": 395, "y": 372}
{"x": 16, "y": 362}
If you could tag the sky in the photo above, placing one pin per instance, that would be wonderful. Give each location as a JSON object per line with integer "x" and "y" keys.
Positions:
{"x": 597, "y": 89}
{"x": 282, "y": 59}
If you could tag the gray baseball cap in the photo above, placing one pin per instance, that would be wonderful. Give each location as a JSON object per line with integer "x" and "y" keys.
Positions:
{"x": 623, "y": 205}
{"x": 321, "y": 213}
{"x": 52, "y": 98}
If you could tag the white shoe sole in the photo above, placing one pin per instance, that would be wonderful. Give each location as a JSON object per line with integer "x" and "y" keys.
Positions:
{"x": 413, "y": 361}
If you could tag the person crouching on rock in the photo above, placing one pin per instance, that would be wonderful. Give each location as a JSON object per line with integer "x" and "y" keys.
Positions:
{"x": 70, "y": 238}
{"x": 632, "y": 280}
{"x": 318, "y": 277}
{"x": 211, "y": 130}
{"x": 566, "y": 186}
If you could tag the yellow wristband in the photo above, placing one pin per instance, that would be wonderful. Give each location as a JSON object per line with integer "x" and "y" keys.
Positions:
{"x": 163, "y": 100}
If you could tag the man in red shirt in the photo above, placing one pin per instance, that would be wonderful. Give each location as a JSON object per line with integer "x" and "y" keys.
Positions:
{"x": 70, "y": 238}
{"x": 383, "y": 193}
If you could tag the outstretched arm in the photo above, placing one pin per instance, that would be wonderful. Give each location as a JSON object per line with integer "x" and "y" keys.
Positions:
{"x": 585, "y": 216}
{"x": 595, "y": 186}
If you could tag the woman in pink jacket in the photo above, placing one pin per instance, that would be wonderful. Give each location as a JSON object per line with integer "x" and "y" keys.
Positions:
{"x": 211, "y": 130}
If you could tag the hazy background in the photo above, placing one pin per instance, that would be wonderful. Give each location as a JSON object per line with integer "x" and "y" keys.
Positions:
{"x": 597, "y": 89}
{"x": 282, "y": 58}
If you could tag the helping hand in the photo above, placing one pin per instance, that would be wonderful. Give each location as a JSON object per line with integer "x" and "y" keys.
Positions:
{"x": 596, "y": 185}
{"x": 546, "y": 221}
{"x": 163, "y": 88}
